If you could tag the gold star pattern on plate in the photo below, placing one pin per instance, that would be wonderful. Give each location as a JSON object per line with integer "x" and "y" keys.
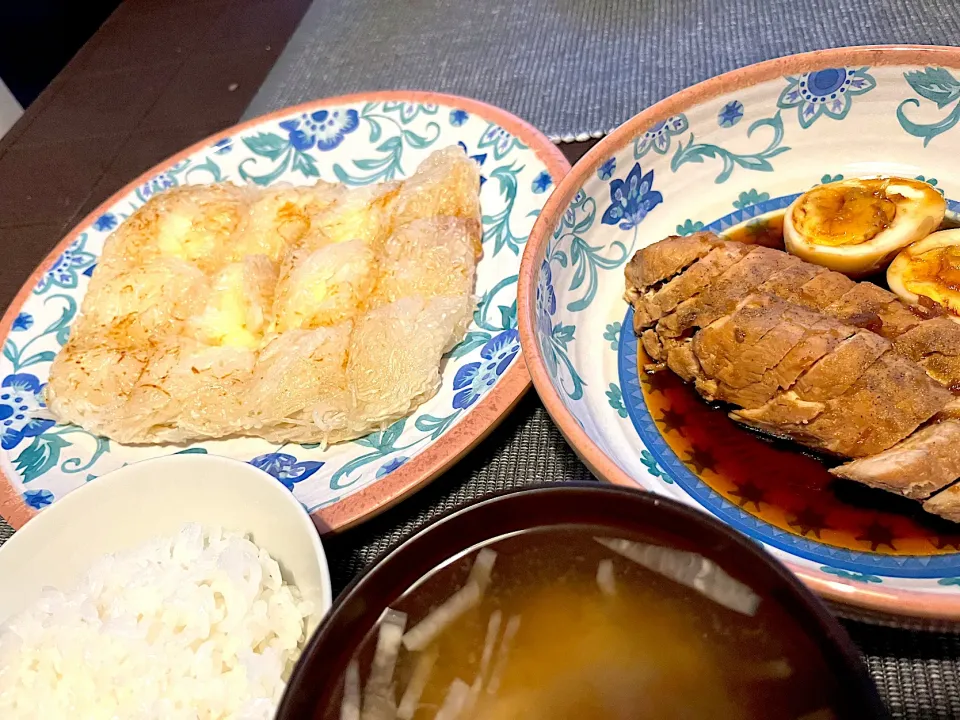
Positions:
{"x": 655, "y": 382}
{"x": 670, "y": 419}
{"x": 877, "y": 534}
{"x": 700, "y": 460}
{"x": 748, "y": 494}
{"x": 945, "y": 542}
{"x": 809, "y": 521}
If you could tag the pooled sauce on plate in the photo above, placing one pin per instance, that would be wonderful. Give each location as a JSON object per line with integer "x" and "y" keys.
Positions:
{"x": 574, "y": 622}
{"x": 780, "y": 483}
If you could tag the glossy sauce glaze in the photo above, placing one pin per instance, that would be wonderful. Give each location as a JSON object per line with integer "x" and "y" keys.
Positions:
{"x": 778, "y": 481}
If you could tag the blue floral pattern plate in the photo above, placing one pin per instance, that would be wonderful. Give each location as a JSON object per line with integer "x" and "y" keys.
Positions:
{"x": 726, "y": 152}
{"x": 356, "y": 140}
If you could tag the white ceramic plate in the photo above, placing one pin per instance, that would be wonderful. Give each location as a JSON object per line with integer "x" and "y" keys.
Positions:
{"x": 356, "y": 140}
{"x": 713, "y": 156}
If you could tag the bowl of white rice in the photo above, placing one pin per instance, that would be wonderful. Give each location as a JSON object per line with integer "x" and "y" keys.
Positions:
{"x": 179, "y": 587}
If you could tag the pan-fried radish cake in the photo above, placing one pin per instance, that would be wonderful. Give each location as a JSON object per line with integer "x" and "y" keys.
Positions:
{"x": 304, "y": 314}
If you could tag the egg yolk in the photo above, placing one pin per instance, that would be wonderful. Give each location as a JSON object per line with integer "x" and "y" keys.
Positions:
{"x": 935, "y": 274}
{"x": 839, "y": 215}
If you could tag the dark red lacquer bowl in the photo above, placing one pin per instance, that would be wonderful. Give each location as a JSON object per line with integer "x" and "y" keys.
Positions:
{"x": 315, "y": 689}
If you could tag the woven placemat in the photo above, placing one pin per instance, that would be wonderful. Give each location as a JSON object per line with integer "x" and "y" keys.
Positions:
{"x": 567, "y": 66}
{"x": 918, "y": 674}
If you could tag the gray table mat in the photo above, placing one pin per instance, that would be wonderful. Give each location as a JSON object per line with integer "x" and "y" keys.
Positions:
{"x": 576, "y": 69}
{"x": 918, "y": 674}
{"x": 572, "y": 67}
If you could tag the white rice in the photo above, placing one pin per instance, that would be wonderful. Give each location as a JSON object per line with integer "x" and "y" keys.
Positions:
{"x": 198, "y": 626}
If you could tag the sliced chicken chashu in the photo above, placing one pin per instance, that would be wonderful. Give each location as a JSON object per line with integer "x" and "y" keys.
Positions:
{"x": 739, "y": 352}
{"x": 917, "y": 467}
{"x": 724, "y": 293}
{"x": 935, "y": 346}
{"x": 828, "y": 377}
{"x": 822, "y": 290}
{"x": 946, "y": 504}
{"x": 654, "y": 304}
{"x": 665, "y": 259}
{"x": 807, "y": 354}
{"x": 935, "y": 343}
{"x": 889, "y": 401}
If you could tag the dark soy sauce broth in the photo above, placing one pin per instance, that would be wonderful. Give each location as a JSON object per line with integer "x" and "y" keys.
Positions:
{"x": 654, "y": 648}
{"x": 780, "y": 482}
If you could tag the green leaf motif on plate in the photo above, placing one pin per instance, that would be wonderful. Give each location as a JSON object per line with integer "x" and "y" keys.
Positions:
{"x": 496, "y": 227}
{"x": 612, "y": 334}
{"x": 40, "y": 456}
{"x": 281, "y": 153}
{"x": 60, "y": 328}
{"x": 482, "y": 317}
{"x": 939, "y": 86}
{"x": 383, "y": 440}
{"x": 689, "y": 227}
{"x": 268, "y": 145}
{"x": 759, "y": 161}
{"x": 854, "y": 576}
{"x": 436, "y": 426}
{"x": 828, "y": 178}
{"x": 749, "y": 198}
{"x": 653, "y": 468}
{"x": 555, "y": 354}
{"x": 615, "y": 399}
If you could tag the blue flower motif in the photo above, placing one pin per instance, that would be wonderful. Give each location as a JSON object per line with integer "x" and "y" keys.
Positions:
{"x": 38, "y": 499}
{"x": 730, "y": 114}
{"x": 479, "y": 158}
{"x": 222, "y": 147}
{"x": 408, "y": 111}
{"x": 546, "y": 301}
{"x": 23, "y": 321}
{"x": 20, "y": 398}
{"x": 458, "y": 117}
{"x": 391, "y": 465}
{"x": 323, "y": 129}
{"x": 499, "y": 140}
{"x": 158, "y": 184}
{"x": 474, "y": 379}
{"x": 658, "y": 137}
{"x": 825, "y": 92}
{"x": 75, "y": 259}
{"x": 631, "y": 199}
{"x": 541, "y": 182}
{"x": 285, "y": 468}
{"x": 106, "y": 222}
{"x": 605, "y": 171}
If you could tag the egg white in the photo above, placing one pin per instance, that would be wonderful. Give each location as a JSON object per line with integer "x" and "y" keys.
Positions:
{"x": 919, "y": 212}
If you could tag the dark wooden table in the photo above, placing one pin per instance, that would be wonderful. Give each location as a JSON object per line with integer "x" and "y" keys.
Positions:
{"x": 162, "y": 74}
{"x": 158, "y": 76}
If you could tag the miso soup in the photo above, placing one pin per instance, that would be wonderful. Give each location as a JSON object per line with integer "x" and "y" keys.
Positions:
{"x": 573, "y": 623}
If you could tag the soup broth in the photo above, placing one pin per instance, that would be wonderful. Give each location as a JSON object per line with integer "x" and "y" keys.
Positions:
{"x": 569, "y": 622}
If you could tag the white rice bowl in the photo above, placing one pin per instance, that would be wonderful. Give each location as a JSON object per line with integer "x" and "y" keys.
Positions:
{"x": 195, "y": 625}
